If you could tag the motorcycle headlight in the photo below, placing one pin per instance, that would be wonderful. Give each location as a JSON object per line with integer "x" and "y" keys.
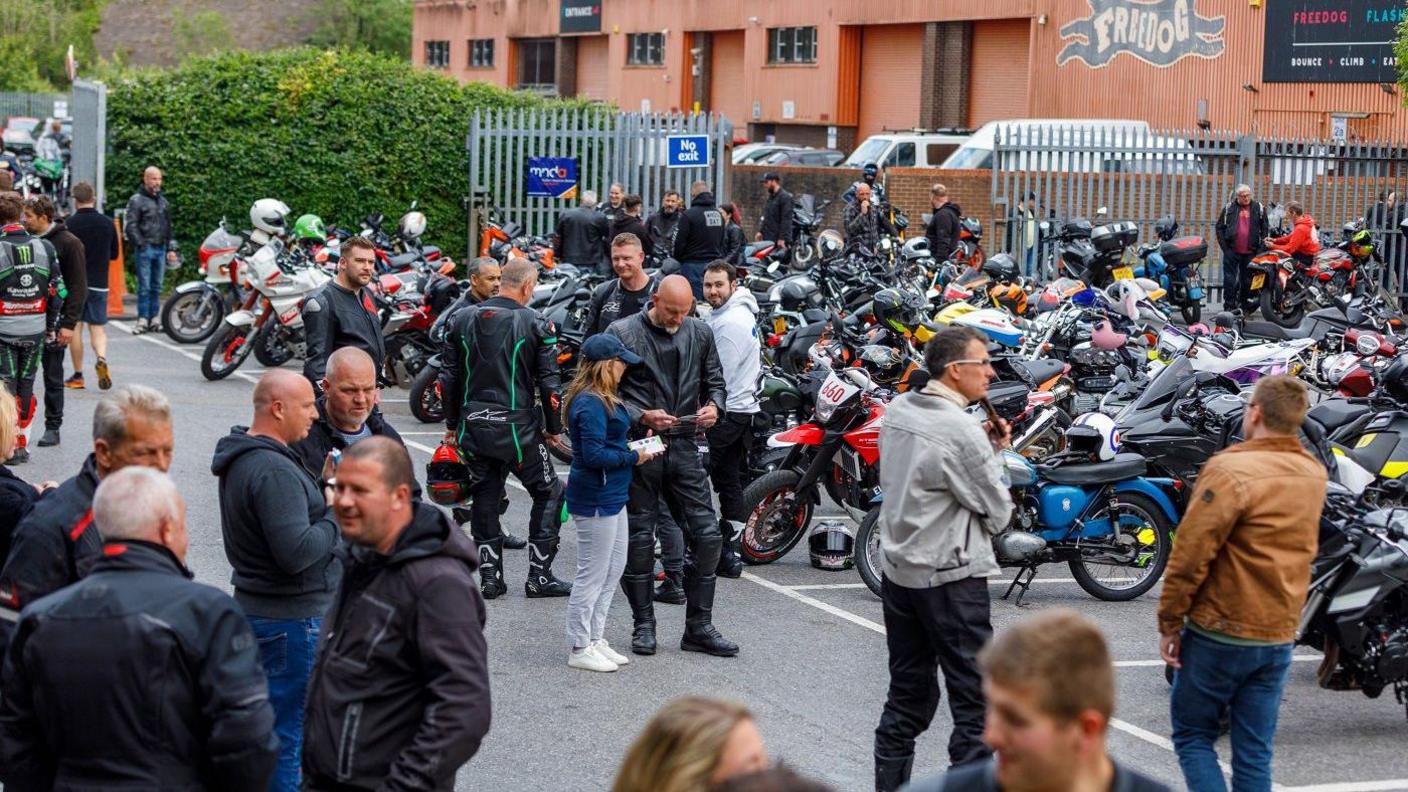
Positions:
{"x": 824, "y": 411}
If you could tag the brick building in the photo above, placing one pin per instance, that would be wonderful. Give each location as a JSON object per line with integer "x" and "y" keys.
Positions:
{"x": 799, "y": 69}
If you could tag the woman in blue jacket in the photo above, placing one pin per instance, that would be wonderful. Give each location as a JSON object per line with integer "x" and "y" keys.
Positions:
{"x": 597, "y": 490}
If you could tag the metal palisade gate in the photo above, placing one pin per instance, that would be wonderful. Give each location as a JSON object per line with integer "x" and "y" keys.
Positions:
{"x": 33, "y": 105}
{"x": 1127, "y": 171}
{"x": 90, "y": 114}
{"x": 608, "y": 146}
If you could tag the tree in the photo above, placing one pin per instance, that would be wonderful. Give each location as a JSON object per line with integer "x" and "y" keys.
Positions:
{"x": 379, "y": 26}
{"x": 35, "y": 36}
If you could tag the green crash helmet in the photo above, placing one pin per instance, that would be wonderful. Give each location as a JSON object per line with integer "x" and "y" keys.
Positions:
{"x": 310, "y": 226}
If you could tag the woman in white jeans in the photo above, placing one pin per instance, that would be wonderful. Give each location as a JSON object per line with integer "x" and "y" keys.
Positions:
{"x": 598, "y": 487}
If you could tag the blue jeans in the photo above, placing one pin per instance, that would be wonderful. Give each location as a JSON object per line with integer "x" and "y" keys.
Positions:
{"x": 1031, "y": 261}
{"x": 151, "y": 267}
{"x": 1218, "y": 677}
{"x": 286, "y": 649}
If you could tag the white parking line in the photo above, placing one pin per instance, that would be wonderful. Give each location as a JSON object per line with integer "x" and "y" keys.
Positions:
{"x": 1352, "y": 786}
{"x": 841, "y": 586}
{"x": 151, "y": 339}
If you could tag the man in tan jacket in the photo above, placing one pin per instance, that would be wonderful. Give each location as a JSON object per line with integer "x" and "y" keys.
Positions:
{"x": 1234, "y": 588}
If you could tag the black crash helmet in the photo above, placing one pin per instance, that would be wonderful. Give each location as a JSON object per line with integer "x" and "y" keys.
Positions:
{"x": 897, "y": 310}
{"x": 1002, "y": 268}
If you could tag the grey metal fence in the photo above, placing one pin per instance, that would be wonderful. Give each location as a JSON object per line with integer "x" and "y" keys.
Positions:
{"x": 90, "y": 127}
{"x": 1124, "y": 171}
{"x": 629, "y": 148}
{"x": 33, "y": 105}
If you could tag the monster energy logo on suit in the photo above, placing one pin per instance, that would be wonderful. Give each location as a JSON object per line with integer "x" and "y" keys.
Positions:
{"x": 1159, "y": 33}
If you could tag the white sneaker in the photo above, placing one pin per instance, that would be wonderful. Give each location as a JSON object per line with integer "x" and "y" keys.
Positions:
{"x": 604, "y": 649}
{"x": 589, "y": 660}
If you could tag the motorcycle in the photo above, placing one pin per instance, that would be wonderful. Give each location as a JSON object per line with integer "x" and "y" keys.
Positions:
{"x": 1286, "y": 286}
{"x": 279, "y": 288}
{"x": 807, "y": 215}
{"x": 195, "y": 308}
{"x": 1173, "y": 263}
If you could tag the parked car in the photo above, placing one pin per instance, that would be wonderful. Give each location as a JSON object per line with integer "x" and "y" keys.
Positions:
{"x": 817, "y": 158}
{"x": 918, "y": 148}
{"x": 755, "y": 153}
{"x": 18, "y": 134}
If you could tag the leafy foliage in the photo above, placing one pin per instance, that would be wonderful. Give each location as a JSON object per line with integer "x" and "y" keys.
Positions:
{"x": 34, "y": 38}
{"x": 337, "y": 133}
{"x": 380, "y": 26}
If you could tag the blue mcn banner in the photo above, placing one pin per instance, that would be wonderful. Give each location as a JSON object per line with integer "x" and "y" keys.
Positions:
{"x": 552, "y": 177}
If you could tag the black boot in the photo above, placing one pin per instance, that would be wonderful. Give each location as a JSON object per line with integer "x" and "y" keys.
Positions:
{"x": 892, "y": 772}
{"x": 541, "y": 582}
{"x": 671, "y": 589}
{"x": 491, "y": 568}
{"x": 639, "y": 591}
{"x": 512, "y": 542}
{"x": 700, "y": 635}
{"x": 730, "y": 562}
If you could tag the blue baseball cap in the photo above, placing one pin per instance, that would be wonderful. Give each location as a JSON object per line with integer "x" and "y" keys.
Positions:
{"x": 604, "y": 346}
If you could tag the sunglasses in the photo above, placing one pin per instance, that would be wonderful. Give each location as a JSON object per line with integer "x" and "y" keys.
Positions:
{"x": 983, "y": 362}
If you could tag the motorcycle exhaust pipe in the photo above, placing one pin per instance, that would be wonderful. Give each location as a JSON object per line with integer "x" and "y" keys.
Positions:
{"x": 1034, "y": 431}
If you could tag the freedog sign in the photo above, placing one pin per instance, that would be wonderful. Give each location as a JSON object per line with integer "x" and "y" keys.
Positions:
{"x": 552, "y": 177}
{"x": 1158, "y": 32}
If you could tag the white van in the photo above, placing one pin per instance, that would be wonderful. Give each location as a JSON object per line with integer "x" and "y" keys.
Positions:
{"x": 1078, "y": 146}
{"x": 914, "y": 149}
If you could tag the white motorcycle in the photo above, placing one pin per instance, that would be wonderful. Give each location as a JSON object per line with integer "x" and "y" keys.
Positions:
{"x": 270, "y": 321}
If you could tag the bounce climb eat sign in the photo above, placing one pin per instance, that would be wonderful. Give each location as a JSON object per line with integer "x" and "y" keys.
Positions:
{"x": 1343, "y": 41}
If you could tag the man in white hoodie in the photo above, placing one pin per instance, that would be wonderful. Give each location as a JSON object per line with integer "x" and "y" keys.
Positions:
{"x": 734, "y": 320}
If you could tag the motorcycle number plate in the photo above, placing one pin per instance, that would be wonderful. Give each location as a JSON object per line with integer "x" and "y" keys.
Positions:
{"x": 1124, "y": 273}
{"x": 835, "y": 391}
{"x": 1258, "y": 280}
{"x": 850, "y": 462}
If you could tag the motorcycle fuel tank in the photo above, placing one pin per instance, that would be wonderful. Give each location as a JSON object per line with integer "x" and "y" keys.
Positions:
{"x": 1058, "y": 506}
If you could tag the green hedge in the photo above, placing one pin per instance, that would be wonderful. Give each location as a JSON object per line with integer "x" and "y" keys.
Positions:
{"x": 340, "y": 134}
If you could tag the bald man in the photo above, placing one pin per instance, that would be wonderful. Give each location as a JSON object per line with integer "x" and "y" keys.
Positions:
{"x": 346, "y": 413}
{"x": 677, "y": 390}
{"x": 148, "y": 229}
{"x": 279, "y": 538}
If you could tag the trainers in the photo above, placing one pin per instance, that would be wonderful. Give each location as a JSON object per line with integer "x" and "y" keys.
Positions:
{"x": 604, "y": 649}
{"x": 589, "y": 660}
{"x": 104, "y": 378}
{"x": 75, "y": 382}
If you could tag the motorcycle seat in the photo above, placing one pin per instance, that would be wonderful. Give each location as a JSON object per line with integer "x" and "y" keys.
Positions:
{"x": 1274, "y": 331}
{"x": 403, "y": 260}
{"x": 1040, "y": 370}
{"x": 1121, "y": 468}
{"x": 1334, "y": 413}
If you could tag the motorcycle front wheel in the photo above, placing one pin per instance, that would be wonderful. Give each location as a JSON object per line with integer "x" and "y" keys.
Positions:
{"x": 273, "y": 345}
{"x": 225, "y": 351}
{"x": 1131, "y": 560}
{"x": 803, "y": 252}
{"x": 778, "y": 516}
{"x": 192, "y": 317}
{"x": 867, "y": 552}
{"x": 1192, "y": 312}
{"x": 425, "y": 395}
{"x": 1274, "y": 305}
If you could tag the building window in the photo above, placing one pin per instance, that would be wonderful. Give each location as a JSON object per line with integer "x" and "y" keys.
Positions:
{"x": 537, "y": 64}
{"x": 792, "y": 45}
{"x": 645, "y": 49}
{"x": 437, "y": 54}
{"x": 481, "y": 53}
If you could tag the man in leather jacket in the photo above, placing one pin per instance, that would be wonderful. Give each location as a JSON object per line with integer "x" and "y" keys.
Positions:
{"x": 628, "y": 293}
{"x": 31, "y": 295}
{"x": 776, "y": 226}
{"x": 497, "y": 356}
{"x": 865, "y": 222}
{"x": 676, "y": 392}
{"x": 581, "y": 235}
{"x": 343, "y": 313}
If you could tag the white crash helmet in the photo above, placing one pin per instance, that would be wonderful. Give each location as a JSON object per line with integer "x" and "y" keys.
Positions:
{"x": 1094, "y": 434}
{"x": 269, "y": 215}
{"x": 412, "y": 225}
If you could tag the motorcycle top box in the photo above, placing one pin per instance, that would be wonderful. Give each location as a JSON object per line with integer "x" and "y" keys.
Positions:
{"x": 1184, "y": 251}
{"x": 1114, "y": 237}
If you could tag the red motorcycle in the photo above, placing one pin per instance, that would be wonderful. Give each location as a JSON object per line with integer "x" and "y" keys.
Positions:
{"x": 1287, "y": 286}
{"x": 1353, "y": 372}
{"x": 838, "y": 450}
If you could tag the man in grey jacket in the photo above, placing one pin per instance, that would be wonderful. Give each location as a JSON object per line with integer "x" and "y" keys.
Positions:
{"x": 945, "y": 498}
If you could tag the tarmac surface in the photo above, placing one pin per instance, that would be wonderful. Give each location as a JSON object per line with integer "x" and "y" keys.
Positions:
{"x": 813, "y": 660}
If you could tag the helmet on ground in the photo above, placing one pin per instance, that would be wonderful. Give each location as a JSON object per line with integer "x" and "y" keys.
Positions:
{"x": 1394, "y": 380}
{"x": 1094, "y": 435}
{"x": 832, "y": 546}
{"x": 412, "y": 225}
{"x": 269, "y": 215}
{"x": 1002, "y": 268}
{"x": 897, "y": 310}
{"x": 447, "y": 477}
{"x": 310, "y": 227}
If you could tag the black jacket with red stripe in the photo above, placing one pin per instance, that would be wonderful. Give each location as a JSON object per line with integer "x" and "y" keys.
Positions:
{"x": 54, "y": 546}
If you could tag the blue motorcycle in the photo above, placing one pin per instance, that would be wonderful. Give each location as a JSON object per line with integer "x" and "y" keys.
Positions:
{"x": 1107, "y": 521}
{"x": 1173, "y": 262}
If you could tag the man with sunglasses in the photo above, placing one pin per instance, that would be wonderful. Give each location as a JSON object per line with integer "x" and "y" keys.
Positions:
{"x": 945, "y": 498}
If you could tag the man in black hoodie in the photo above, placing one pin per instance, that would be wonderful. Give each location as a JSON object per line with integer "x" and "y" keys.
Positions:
{"x": 346, "y": 412}
{"x": 279, "y": 538}
{"x": 41, "y": 219}
{"x": 701, "y": 236}
{"x": 943, "y": 225}
{"x": 400, "y": 696}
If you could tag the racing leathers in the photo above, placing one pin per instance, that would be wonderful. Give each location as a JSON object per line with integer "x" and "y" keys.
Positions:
{"x": 31, "y": 295}
{"x": 680, "y": 374}
{"x": 497, "y": 357}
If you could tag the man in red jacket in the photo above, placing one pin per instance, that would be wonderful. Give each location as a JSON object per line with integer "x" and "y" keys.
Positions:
{"x": 1302, "y": 243}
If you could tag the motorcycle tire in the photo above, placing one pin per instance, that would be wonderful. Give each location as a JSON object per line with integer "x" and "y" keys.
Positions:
{"x": 803, "y": 254}
{"x": 1150, "y": 511}
{"x": 424, "y": 398}
{"x": 562, "y": 453}
{"x": 867, "y": 551}
{"x": 1192, "y": 314}
{"x": 271, "y": 345}
{"x": 225, "y": 351}
{"x": 1271, "y": 298}
{"x": 774, "y": 495}
{"x": 192, "y": 317}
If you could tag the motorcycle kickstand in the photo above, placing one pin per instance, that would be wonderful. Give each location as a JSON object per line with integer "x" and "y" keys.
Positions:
{"x": 1017, "y": 582}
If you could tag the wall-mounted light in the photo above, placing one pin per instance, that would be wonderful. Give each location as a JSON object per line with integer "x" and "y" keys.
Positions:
{"x": 1249, "y": 88}
{"x": 1041, "y": 20}
{"x": 753, "y": 20}
{"x": 1388, "y": 88}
